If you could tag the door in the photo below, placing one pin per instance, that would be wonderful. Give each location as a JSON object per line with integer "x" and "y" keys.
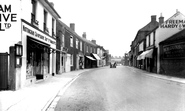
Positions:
{"x": 3, "y": 71}
{"x": 68, "y": 66}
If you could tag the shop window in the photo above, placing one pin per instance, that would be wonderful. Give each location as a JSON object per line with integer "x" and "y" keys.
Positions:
{"x": 37, "y": 59}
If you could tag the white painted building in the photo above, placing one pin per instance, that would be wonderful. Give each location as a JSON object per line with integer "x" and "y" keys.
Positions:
{"x": 35, "y": 30}
{"x": 170, "y": 27}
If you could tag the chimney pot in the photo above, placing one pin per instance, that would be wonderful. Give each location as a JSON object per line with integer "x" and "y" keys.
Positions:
{"x": 84, "y": 35}
{"x": 177, "y": 11}
{"x": 153, "y": 18}
{"x": 93, "y": 41}
{"x": 52, "y": 4}
{"x": 161, "y": 19}
{"x": 72, "y": 26}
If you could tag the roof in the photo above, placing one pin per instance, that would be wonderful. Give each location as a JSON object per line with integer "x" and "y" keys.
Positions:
{"x": 141, "y": 34}
{"x": 178, "y": 37}
{"x": 74, "y": 33}
{"x": 49, "y": 7}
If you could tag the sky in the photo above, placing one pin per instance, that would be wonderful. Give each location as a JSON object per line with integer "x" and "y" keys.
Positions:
{"x": 114, "y": 23}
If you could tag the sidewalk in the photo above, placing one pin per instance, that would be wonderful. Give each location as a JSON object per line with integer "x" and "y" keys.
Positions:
{"x": 160, "y": 76}
{"x": 36, "y": 97}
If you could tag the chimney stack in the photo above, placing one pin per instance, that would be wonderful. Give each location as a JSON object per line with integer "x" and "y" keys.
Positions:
{"x": 153, "y": 18}
{"x": 72, "y": 26}
{"x": 52, "y": 4}
{"x": 93, "y": 41}
{"x": 161, "y": 19}
{"x": 177, "y": 11}
{"x": 84, "y": 35}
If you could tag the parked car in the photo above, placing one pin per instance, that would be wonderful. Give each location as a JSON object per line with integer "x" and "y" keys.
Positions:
{"x": 113, "y": 64}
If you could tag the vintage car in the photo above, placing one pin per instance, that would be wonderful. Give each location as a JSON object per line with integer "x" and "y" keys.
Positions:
{"x": 112, "y": 64}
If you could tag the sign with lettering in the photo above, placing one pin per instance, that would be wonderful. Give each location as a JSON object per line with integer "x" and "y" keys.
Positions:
{"x": 38, "y": 35}
{"x": 174, "y": 50}
{"x": 6, "y": 17}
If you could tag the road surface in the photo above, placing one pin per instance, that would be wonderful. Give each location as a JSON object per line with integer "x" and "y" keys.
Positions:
{"x": 122, "y": 89}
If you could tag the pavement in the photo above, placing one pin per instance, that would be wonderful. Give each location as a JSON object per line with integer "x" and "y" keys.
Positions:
{"x": 43, "y": 96}
{"x": 39, "y": 96}
{"x": 160, "y": 76}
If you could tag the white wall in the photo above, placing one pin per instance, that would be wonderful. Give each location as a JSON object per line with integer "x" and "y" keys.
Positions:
{"x": 27, "y": 10}
{"x": 164, "y": 33}
{"x": 10, "y": 36}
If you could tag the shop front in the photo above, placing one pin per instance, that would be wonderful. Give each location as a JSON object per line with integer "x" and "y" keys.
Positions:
{"x": 89, "y": 61}
{"x": 39, "y": 54}
{"x": 172, "y": 55}
{"x": 97, "y": 58}
{"x": 81, "y": 60}
{"x": 145, "y": 60}
{"x": 62, "y": 61}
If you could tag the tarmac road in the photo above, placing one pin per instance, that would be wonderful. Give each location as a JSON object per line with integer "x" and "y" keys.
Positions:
{"x": 122, "y": 89}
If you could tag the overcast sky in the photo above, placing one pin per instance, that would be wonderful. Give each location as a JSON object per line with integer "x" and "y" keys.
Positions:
{"x": 114, "y": 23}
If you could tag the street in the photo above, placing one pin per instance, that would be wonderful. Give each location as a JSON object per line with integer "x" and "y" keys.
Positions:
{"x": 122, "y": 89}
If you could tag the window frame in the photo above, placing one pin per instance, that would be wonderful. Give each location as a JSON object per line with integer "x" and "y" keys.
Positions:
{"x": 71, "y": 59}
{"x": 77, "y": 41}
{"x": 71, "y": 41}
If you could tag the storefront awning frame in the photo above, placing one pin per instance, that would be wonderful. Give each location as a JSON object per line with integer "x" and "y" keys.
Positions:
{"x": 89, "y": 57}
{"x": 145, "y": 54}
{"x": 96, "y": 56}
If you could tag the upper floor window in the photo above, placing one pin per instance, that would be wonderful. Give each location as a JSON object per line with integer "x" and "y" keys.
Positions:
{"x": 33, "y": 14}
{"x": 62, "y": 41}
{"x": 87, "y": 49}
{"x": 141, "y": 46}
{"x": 151, "y": 39}
{"x": 84, "y": 47}
{"x": 147, "y": 41}
{"x": 45, "y": 21}
{"x": 77, "y": 43}
{"x": 71, "y": 41}
{"x": 53, "y": 27}
{"x": 90, "y": 49}
{"x": 81, "y": 45}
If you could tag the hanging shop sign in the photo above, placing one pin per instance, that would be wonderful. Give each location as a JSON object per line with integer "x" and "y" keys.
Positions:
{"x": 64, "y": 49}
{"x": 174, "y": 50}
{"x": 38, "y": 35}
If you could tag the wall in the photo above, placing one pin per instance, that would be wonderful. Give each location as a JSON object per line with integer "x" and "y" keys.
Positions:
{"x": 164, "y": 33}
{"x": 10, "y": 36}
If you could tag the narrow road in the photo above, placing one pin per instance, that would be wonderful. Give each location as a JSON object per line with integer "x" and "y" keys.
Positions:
{"x": 122, "y": 89}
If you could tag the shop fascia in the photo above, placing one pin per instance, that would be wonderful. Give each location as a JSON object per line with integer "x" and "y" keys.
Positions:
{"x": 31, "y": 32}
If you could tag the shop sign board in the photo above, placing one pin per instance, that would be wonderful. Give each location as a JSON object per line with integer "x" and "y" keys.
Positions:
{"x": 176, "y": 50}
{"x": 38, "y": 35}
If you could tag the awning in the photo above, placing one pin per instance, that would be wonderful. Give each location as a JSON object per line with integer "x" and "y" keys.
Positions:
{"x": 147, "y": 54}
{"x": 90, "y": 57}
{"x": 96, "y": 56}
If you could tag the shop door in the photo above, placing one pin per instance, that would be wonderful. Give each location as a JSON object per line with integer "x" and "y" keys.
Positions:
{"x": 62, "y": 63}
